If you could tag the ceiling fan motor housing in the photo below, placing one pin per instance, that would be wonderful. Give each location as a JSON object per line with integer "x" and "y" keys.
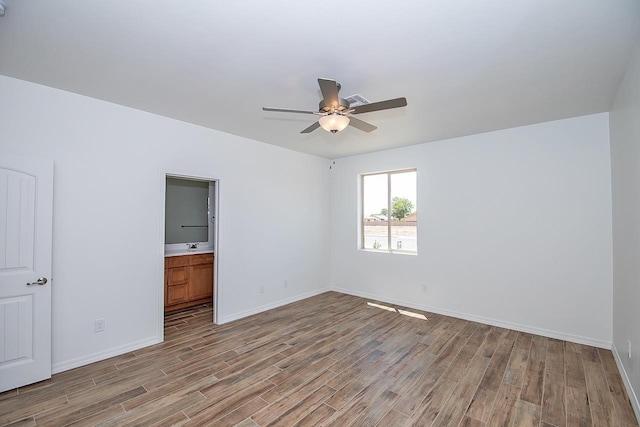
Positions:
{"x": 324, "y": 108}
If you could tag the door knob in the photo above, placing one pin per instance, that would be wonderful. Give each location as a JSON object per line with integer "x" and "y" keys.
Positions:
{"x": 41, "y": 281}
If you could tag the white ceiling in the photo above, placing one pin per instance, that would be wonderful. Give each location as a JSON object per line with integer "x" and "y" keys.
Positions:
{"x": 465, "y": 66}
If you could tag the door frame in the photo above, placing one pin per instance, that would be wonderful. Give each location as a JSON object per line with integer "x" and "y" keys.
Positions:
{"x": 172, "y": 173}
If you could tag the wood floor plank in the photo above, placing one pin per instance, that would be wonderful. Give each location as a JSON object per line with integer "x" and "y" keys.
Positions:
{"x": 516, "y": 367}
{"x": 357, "y": 368}
{"x": 155, "y": 411}
{"x": 394, "y": 418}
{"x": 411, "y": 374}
{"x": 624, "y": 410}
{"x": 316, "y": 375}
{"x": 314, "y": 387}
{"x": 316, "y": 417}
{"x": 452, "y": 412}
{"x": 441, "y": 337}
{"x": 481, "y": 405}
{"x": 504, "y": 406}
{"x": 528, "y": 414}
{"x": 412, "y": 399}
{"x": 603, "y": 415}
{"x": 46, "y": 390}
{"x": 365, "y": 403}
{"x": 299, "y": 407}
{"x": 578, "y": 412}
{"x": 197, "y": 372}
{"x": 193, "y": 382}
{"x": 233, "y": 418}
{"x": 354, "y": 387}
{"x": 215, "y": 407}
{"x": 25, "y": 422}
{"x": 553, "y": 401}
{"x": 178, "y": 419}
{"x": 99, "y": 417}
{"x": 471, "y": 422}
{"x": 574, "y": 371}
{"x": 66, "y": 414}
{"x": 532, "y": 385}
{"x": 458, "y": 367}
{"x": 376, "y": 409}
{"x": 473, "y": 375}
{"x": 12, "y": 411}
{"x": 507, "y": 341}
{"x": 555, "y": 356}
{"x": 499, "y": 361}
{"x": 538, "y": 349}
{"x": 433, "y": 403}
{"x": 353, "y": 357}
{"x": 523, "y": 341}
{"x": 490, "y": 343}
{"x": 334, "y": 359}
{"x": 596, "y": 383}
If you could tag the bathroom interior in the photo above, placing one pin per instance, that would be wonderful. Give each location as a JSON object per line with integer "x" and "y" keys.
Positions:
{"x": 189, "y": 243}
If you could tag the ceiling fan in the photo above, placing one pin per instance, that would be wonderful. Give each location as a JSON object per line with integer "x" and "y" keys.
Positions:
{"x": 336, "y": 113}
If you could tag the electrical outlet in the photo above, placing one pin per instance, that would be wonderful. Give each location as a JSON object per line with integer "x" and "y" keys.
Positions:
{"x": 98, "y": 325}
{"x": 629, "y": 348}
{"x": 425, "y": 289}
{"x": 261, "y": 288}
{"x": 286, "y": 283}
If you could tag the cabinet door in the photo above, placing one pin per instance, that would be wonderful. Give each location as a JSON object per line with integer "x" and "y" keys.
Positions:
{"x": 177, "y": 276}
{"x": 200, "y": 281}
{"x": 177, "y": 294}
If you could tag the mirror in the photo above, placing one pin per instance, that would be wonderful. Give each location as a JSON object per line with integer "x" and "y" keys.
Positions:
{"x": 186, "y": 211}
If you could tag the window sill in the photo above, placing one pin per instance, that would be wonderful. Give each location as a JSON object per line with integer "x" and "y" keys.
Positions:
{"x": 388, "y": 252}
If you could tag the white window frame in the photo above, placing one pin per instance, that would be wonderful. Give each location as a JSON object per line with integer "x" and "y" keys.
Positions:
{"x": 361, "y": 214}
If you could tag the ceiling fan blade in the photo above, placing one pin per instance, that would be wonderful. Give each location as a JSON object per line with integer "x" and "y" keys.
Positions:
{"x": 285, "y": 110}
{"x": 382, "y": 105}
{"x": 311, "y": 128}
{"x": 363, "y": 126}
{"x": 329, "y": 89}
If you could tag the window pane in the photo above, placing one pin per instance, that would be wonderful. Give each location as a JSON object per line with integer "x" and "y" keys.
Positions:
{"x": 374, "y": 212}
{"x": 404, "y": 217}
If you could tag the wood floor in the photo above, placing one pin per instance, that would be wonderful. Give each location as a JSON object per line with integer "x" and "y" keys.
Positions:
{"x": 334, "y": 360}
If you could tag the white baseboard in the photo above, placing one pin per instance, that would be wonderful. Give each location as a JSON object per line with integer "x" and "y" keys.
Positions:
{"x": 101, "y": 355}
{"x": 273, "y": 305}
{"x": 480, "y": 319}
{"x": 627, "y": 382}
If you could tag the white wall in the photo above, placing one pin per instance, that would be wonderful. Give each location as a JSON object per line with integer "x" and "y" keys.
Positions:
{"x": 107, "y": 260}
{"x": 514, "y": 229}
{"x": 625, "y": 170}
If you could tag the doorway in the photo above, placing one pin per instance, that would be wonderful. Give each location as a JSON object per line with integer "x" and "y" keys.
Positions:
{"x": 190, "y": 248}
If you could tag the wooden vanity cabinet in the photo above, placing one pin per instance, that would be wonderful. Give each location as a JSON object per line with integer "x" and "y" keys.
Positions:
{"x": 188, "y": 281}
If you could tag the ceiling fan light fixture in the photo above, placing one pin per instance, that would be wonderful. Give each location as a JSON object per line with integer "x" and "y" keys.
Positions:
{"x": 334, "y": 122}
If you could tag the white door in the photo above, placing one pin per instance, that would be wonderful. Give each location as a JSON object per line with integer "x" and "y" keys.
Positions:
{"x": 26, "y": 201}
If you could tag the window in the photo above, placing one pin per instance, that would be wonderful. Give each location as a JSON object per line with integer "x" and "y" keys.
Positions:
{"x": 389, "y": 217}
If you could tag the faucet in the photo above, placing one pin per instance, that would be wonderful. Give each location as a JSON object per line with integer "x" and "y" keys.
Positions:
{"x": 192, "y": 245}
